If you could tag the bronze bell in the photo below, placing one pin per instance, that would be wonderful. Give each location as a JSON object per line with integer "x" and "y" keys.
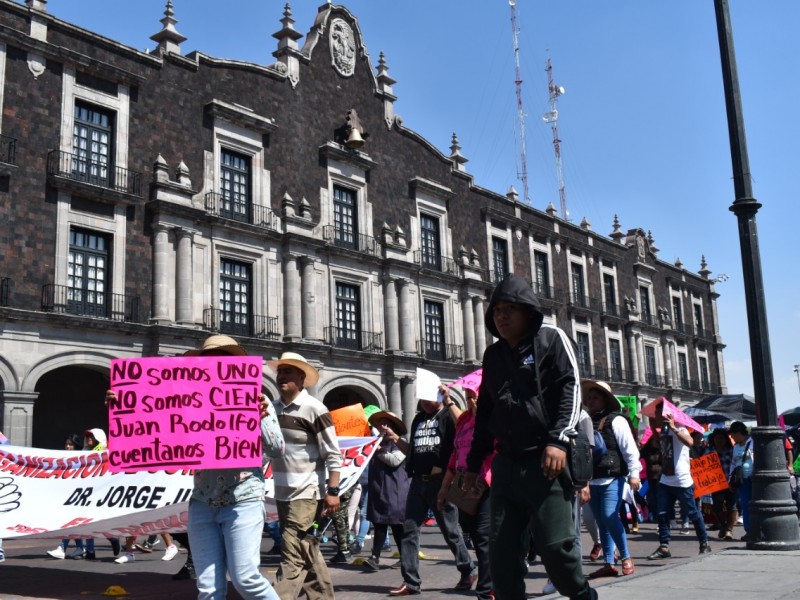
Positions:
{"x": 354, "y": 140}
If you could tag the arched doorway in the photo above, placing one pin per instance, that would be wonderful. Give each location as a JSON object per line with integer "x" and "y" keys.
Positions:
{"x": 71, "y": 400}
{"x": 345, "y": 395}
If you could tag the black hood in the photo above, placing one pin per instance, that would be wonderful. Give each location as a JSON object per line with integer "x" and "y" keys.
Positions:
{"x": 514, "y": 289}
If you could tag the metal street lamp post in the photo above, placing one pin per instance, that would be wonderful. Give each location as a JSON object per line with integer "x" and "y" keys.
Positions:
{"x": 773, "y": 515}
{"x": 797, "y": 372}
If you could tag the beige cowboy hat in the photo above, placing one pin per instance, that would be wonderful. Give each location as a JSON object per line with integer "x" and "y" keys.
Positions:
{"x": 601, "y": 386}
{"x": 377, "y": 417}
{"x": 220, "y": 343}
{"x": 295, "y": 360}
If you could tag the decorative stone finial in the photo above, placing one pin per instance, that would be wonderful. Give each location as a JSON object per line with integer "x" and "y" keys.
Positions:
{"x": 617, "y": 234}
{"x": 455, "y": 154}
{"x": 704, "y": 270}
{"x": 512, "y": 194}
{"x": 551, "y": 210}
{"x": 168, "y": 39}
{"x": 585, "y": 225}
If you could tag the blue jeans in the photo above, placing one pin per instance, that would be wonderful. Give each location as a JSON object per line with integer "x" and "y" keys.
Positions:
{"x": 421, "y": 498}
{"x": 228, "y": 539}
{"x": 605, "y": 502}
{"x": 745, "y": 496}
{"x": 667, "y": 495}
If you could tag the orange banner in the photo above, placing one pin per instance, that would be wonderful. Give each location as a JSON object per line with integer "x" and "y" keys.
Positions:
{"x": 350, "y": 420}
{"x": 708, "y": 475}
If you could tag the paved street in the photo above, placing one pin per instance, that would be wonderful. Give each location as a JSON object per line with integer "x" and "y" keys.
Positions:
{"x": 29, "y": 573}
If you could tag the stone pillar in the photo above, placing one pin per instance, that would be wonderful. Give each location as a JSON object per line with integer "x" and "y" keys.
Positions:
{"x": 480, "y": 327}
{"x": 633, "y": 359}
{"x": 640, "y": 357}
{"x": 407, "y": 341}
{"x": 184, "y": 280}
{"x": 409, "y": 387}
{"x": 395, "y": 399}
{"x": 17, "y": 408}
{"x": 309, "y": 296}
{"x": 391, "y": 318}
{"x": 467, "y": 316}
{"x": 291, "y": 299}
{"x": 161, "y": 251}
{"x": 669, "y": 375}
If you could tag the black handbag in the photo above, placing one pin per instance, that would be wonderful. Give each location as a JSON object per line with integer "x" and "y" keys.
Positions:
{"x": 580, "y": 460}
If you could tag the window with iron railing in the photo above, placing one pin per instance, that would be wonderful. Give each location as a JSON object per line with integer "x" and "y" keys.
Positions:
{"x": 434, "y": 330}
{"x": 235, "y": 297}
{"x": 704, "y": 380}
{"x": 430, "y": 245}
{"x": 584, "y": 353}
{"x": 348, "y": 317}
{"x": 499, "y": 259}
{"x": 235, "y": 195}
{"x": 683, "y": 370}
{"x": 615, "y": 359}
{"x": 650, "y": 365}
{"x": 345, "y": 218}
{"x": 610, "y": 295}
{"x": 92, "y": 136}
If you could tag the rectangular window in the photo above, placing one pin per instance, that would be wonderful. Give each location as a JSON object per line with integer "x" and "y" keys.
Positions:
{"x": 578, "y": 294}
{"x": 698, "y": 319}
{"x": 235, "y": 297}
{"x": 87, "y": 274}
{"x": 542, "y": 276}
{"x": 683, "y": 370}
{"x": 499, "y": 258}
{"x": 92, "y": 134}
{"x": 584, "y": 354}
{"x": 651, "y": 370}
{"x": 235, "y": 186}
{"x": 434, "y": 330}
{"x": 429, "y": 242}
{"x": 677, "y": 313}
{"x": 348, "y": 316}
{"x": 704, "y": 381}
{"x": 615, "y": 358}
{"x": 644, "y": 302}
{"x": 610, "y": 294}
{"x": 345, "y": 223}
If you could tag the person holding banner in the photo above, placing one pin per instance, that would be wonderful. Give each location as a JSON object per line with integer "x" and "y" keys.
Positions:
{"x": 724, "y": 501}
{"x": 676, "y": 482}
{"x": 226, "y": 510}
{"x": 301, "y": 494}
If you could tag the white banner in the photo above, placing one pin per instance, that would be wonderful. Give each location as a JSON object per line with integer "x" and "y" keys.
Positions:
{"x": 59, "y": 493}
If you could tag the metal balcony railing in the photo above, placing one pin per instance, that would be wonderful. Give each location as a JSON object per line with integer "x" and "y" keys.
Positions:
{"x": 87, "y": 303}
{"x": 260, "y": 216}
{"x": 364, "y": 341}
{"x": 654, "y": 379}
{"x": 546, "y": 292}
{"x": 5, "y": 290}
{"x": 433, "y": 350}
{"x": 255, "y": 326}
{"x": 704, "y": 334}
{"x": 585, "y": 302}
{"x": 612, "y": 310}
{"x": 354, "y": 241}
{"x": 649, "y": 319}
{"x": 442, "y": 264}
{"x": 80, "y": 168}
{"x": 611, "y": 374}
{"x": 8, "y": 150}
{"x": 684, "y": 328}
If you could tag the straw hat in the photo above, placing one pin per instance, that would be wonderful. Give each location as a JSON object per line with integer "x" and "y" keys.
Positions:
{"x": 601, "y": 386}
{"x": 219, "y": 343}
{"x": 295, "y": 360}
{"x": 377, "y": 417}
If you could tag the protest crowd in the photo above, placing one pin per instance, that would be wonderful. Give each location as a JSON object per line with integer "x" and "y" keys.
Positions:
{"x": 502, "y": 477}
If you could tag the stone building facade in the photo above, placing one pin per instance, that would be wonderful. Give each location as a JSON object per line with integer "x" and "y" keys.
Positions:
{"x": 149, "y": 199}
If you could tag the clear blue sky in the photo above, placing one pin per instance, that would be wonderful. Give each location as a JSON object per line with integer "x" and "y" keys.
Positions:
{"x": 642, "y": 123}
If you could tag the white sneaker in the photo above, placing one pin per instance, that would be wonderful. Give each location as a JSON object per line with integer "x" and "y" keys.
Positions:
{"x": 57, "y": 553}
{"x": 77, "y": 553}
{"x": 170, "y": 553}
{"x": 126, "y": 557}
{"x": 549, "y": 588}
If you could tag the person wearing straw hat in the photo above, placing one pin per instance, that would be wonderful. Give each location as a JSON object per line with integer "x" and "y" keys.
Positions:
{"x": 387, "y": 485}
{"x": 607, "y": 486}
{"x": 226, "y": 509}
{"x": 301, "y": 491}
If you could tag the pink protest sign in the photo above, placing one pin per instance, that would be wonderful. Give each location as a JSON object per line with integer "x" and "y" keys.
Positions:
{"x": 198, "y": 412}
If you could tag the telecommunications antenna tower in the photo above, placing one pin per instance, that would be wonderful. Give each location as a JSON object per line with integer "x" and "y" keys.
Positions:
{"x": 551, "y": 117}
{"x": 523, "y": 174}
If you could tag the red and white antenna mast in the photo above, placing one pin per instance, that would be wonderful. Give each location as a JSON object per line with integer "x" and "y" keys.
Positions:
{"x": 523, "y": 174}
{"x": 552, "y": 117}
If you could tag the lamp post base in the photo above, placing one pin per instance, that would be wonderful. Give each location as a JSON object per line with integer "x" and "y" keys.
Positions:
{"x": 773, "y": 513}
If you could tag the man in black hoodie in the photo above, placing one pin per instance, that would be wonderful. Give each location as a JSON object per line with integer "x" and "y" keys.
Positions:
{"x": 528, "y": 405}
